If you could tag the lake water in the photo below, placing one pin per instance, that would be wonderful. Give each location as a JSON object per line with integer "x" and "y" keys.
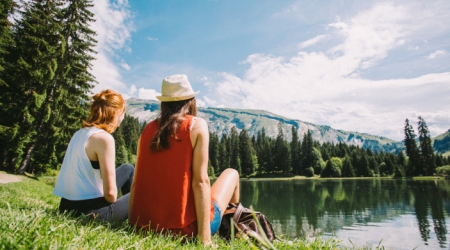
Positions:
{"x": 404, "y": 214}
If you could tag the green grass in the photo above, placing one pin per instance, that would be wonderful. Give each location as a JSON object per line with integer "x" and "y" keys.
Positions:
{"x": 29, "y": 220}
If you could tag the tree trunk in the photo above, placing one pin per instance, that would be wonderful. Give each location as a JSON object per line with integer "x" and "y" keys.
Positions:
{"x": 26, "y": 160}
{"x": 30, "y": 151}
{"x": 5, "y": 155}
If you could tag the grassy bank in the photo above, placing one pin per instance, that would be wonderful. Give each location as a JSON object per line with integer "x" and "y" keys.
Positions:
{"x": 28, "y": 220}
{"x": 276, "y": 176}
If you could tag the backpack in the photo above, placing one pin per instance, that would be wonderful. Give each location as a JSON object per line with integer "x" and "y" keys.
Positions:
{"x": 245, "y": 223}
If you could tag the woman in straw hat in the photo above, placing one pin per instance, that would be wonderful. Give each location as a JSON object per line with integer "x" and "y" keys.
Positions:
{"x": 171, "y": 191}
{"x": 88, "y": 180}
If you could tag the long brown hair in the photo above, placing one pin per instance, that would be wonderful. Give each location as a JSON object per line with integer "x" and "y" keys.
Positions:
{"x": 171, "y": 116}
{"x": 104, "y": 109}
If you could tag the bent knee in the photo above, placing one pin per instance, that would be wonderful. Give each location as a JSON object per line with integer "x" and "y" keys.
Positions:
{"x": 231, "y": 171}
{"x": 128, "y": 167}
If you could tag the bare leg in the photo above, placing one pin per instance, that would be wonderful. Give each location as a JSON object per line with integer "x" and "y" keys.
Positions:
{"x": 226, "y": 188}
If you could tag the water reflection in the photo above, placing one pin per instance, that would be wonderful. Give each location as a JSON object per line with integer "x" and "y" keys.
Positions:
{"x": 307, "y": 208}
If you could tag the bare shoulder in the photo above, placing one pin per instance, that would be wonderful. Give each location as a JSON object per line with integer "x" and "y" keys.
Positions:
{"x": 101, "y": 138}
{"x": 199, "y": 131}
{"x": 103, "y": 135}
{"x": 200, "y": 124}
{"x": 98, "y": 143}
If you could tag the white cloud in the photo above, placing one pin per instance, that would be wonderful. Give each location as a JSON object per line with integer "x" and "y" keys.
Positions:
{"x": 149, "y": 94}
{"x": 325, "y": 87}
{"x": 200, "y": 102}
{"x": 113, "y": 33}
{"x": 437, "y": 53}
{"x": 107, "y": 74}
{"x": 369, "y": 36}
{"x": 152, "y": 38}
{"x": 311, "y": 41}
{"x": 209, "y": 102}
{"x": 133, "y": 90}
{"x": 125, "y": 65}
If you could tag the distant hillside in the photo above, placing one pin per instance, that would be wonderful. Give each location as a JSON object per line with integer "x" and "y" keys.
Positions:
{"x": 221, "y": 120}
{"x": 441, "y": 143}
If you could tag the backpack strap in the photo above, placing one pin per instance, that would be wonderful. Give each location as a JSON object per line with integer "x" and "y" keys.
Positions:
{"x": 231, "y": 208}
{"x": 238, "y": 212}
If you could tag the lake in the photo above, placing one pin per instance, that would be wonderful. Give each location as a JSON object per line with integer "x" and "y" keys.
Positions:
{"x": 404, "y": 214}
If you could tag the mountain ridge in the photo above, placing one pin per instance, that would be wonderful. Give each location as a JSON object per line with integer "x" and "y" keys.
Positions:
{"x": 221, "y": 120}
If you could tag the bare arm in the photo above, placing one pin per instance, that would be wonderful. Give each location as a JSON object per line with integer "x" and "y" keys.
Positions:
{"x": 200, "y": 181}
{"x": 101, "y": 147}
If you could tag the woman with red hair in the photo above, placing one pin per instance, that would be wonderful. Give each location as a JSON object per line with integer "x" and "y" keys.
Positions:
{"x": 88, "y": 181}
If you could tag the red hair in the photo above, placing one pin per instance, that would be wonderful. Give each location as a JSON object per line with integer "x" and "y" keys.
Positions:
{"x": 104, "y": 110}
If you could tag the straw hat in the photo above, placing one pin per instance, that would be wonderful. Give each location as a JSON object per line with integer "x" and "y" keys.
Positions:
{"x": 176, "y": 88}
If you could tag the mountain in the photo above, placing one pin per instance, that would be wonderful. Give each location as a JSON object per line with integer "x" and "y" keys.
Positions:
{"x": 441, "y": 143}
{"x": 221, "y": 120}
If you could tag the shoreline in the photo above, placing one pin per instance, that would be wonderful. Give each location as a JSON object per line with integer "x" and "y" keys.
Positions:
{"x": 299, "y": 177}
{"x": 10, "y": 178}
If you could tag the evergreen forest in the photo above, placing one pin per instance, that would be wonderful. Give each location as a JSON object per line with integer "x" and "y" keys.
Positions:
{"x": 46, "y": 50}
{"x": 262, "y": 155}
{"x": 46, "y": 54}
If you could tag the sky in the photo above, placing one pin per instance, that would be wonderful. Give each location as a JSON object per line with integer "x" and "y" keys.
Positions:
{"x": 362, "y": 66}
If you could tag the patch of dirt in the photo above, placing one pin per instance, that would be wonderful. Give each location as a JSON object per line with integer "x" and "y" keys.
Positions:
{"x": 8, "y": 178}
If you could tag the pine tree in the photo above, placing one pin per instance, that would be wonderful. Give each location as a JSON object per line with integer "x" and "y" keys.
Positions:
{"x": 343, "y": 149}
{"x": 214, "y": 149}
{"x": 307, "y": 151}
{"x": 354, "y": 159}
{"x": 389, "y": 166}
{"x": 60, "y": 82}
{"x": 120, "y": 146}
{"x": 281, "y": 152}
{"x": 6, "y": 43}
{"x": 326, "y": 152}
{"x": 347, "y": 168}
{"x": 401, "y": 160}
{"x": 374, "y": 166}
{"x": 364, "y": 169}
{"x": 439, "y": 160}
{"x": 263, "y": 152}
{"x": 295, "y": 151}
{"x": 427, "y": 154}
{"x": 258, "y": 146}
{"x": 224, "y": 156}
{"x": 131, "y": 130}
{"x": 32, "y": 66}
{"x": 248, "y": 165}
{"x": 235, "y": 161}
{"x": 73, "y": 81}
{"x": 413, "y": 167}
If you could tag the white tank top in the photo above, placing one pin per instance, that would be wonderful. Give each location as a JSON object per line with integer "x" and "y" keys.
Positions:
{"x": 77, "y": 179}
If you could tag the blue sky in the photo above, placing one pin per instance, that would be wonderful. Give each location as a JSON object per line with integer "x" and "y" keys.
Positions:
{"x": 361, "y": 66}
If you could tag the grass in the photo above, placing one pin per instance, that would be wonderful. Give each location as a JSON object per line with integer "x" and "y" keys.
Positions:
{"x": 29, "y": 220}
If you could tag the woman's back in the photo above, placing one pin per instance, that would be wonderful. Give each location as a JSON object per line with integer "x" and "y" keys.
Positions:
{"x": 163, "y": 181}
{"x": 77, "y": 179}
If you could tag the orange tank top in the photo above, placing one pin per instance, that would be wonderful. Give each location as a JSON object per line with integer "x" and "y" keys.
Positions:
{"x": 163, "y": 197}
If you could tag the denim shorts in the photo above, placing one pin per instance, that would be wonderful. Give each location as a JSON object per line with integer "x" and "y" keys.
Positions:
{"x": 215, "y": 223}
